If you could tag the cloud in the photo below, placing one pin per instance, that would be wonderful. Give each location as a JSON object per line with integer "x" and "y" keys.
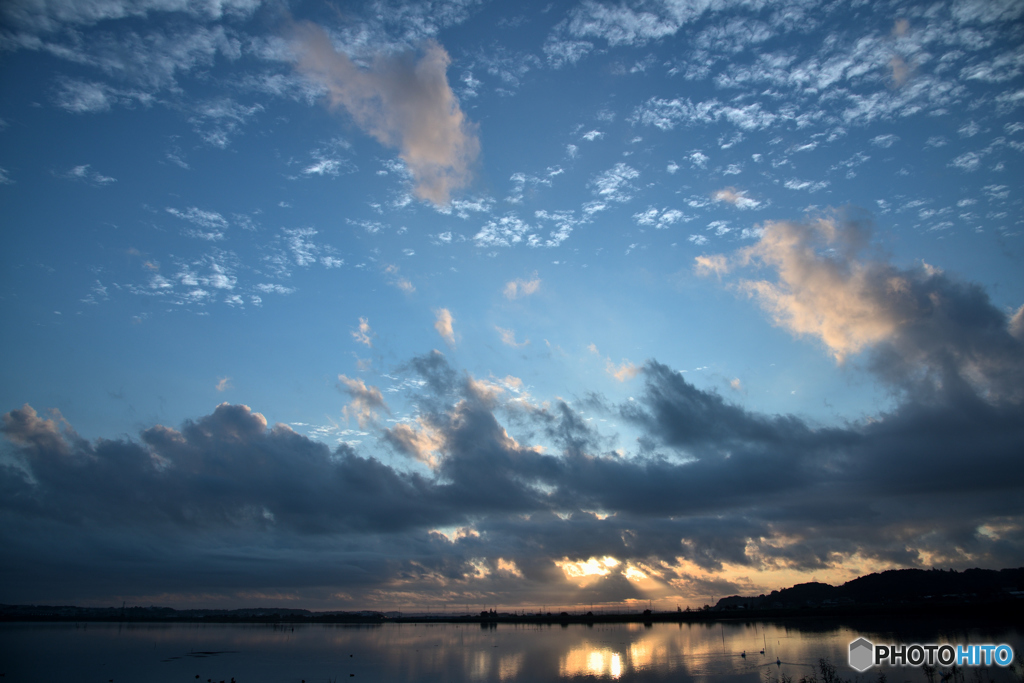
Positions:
{"x": 667, "y": 114}
{"x": 398, "y": 281}
{"x": 520, "y": 287}
{"x": 714, "y": 264}
{"x": 274, "y": 288}
{"x": 686, "y": 507}
{"x": 223, "y": 384}
{"x": 44, "y": 18}
{"x": 366, "y": 401}
{"x": 509, "y": 337}
{"x": 404, "y": 103}
{"x": 901, "y": 71}
{"x": 362, "y": 335}
{"x": 661, "y": 220}
{"x": 623, "y": 371}
{"x": 884, "y": 141}
{"x": 82, "y": 173}
{"x": 1017, "y": 324}
{"x": 422, "y": 442}
{"x": 809, "y": 185}
{"x": 928, "y": 332}
{"x": 564, "y": 222}
{"x": 737, "y": 198}
{"x": 211, "y": 225}
{"x": 443, "y": 325}
{"x": 615, "y": 184}
{"x": 502, "y": 232}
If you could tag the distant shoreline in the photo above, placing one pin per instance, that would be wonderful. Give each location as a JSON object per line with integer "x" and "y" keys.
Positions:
{"x": 995, "y": 610}
{"x": 994, "y": 595}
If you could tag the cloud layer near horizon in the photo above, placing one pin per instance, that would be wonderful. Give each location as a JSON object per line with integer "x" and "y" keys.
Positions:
{"x": 712, "y": 494}
{"x": 403, "y": 102}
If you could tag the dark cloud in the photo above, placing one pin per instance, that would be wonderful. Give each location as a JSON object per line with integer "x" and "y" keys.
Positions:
{"x": 227, "y": 505}
{"x": 224, "y": 470}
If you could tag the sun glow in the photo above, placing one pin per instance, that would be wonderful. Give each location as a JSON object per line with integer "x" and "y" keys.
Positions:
{"x": 634, "y": 574}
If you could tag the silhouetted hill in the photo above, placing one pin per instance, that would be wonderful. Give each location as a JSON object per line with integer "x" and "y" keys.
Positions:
{"x": 892, "y": 586}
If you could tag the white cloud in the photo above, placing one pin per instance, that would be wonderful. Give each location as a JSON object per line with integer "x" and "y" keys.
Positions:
{"x": 624, "y": 371}
{"x": 662, "y": 219}
{"x": 366, "y": 401}
{"x": 715, "y": 264}
{"x": 204, "y": 219}
{"x": 698, "y": 159}
{"x": 502, "y": 232}
{"x": 81, "y": 97}
{"x": 968, "y": 161}
{"x": 508, "y": 337}
{"x": 564, "y": 222}
{"x": 520, "y": 181}
{"x": 884, "y": 141}
{"x": 323, "y": 167}
{"x": 737, "y": 198}
{"x": 560, "y": 52}
{"x": 83, "y": 173}
{"x": 362, "y": 335}
{"x": 210, "y": 223}
{"x": 303, "y": 249}
{"x": 969, "y": 129}
{"x": 667, "y": 114}
{"x": 614, "y": 184}
{"x": 443, "y": 324}
{"x": 397, "y": 280}
{"x": 463, "y": 208}
{"x": 273, "y": 288}
{"x": 519, "y": 287}
{"x": 810, "y": 186}
{"x": 406, "y": 105}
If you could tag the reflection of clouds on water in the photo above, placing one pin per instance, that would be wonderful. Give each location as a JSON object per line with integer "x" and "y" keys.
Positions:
{"x": 589, "y": 661}
{"x": 509, "y": 666}
{"x": 428, "y": 652}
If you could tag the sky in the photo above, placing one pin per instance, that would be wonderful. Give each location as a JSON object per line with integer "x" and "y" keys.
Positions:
{"x": 449, "y": 304}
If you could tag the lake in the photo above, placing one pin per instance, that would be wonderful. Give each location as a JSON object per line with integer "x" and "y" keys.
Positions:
{"x": 413, "y": 653}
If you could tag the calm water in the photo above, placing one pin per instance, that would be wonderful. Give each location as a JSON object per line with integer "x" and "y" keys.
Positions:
{"x": 410, "y": 653}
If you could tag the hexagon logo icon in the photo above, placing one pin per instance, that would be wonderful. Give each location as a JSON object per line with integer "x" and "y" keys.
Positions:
{"x": 860, "y": 654}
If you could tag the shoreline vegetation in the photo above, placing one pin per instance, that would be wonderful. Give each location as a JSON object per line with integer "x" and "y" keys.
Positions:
{"x": 975, "y": 593}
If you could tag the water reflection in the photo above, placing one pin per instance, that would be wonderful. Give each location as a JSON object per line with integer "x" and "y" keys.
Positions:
{"x": 463, "y": 652}
{"x": 585, "y": 660}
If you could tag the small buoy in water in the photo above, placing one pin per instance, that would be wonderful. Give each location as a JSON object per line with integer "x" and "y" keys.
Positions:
{"x": 778, "y": 661}
{"x": 743, "y": 654}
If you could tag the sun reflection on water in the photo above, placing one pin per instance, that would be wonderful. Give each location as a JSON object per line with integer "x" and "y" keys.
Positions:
{"x": 587, "y": 660}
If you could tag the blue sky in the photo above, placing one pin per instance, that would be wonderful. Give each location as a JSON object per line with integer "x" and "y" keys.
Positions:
{"x": 602, "y": 300}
